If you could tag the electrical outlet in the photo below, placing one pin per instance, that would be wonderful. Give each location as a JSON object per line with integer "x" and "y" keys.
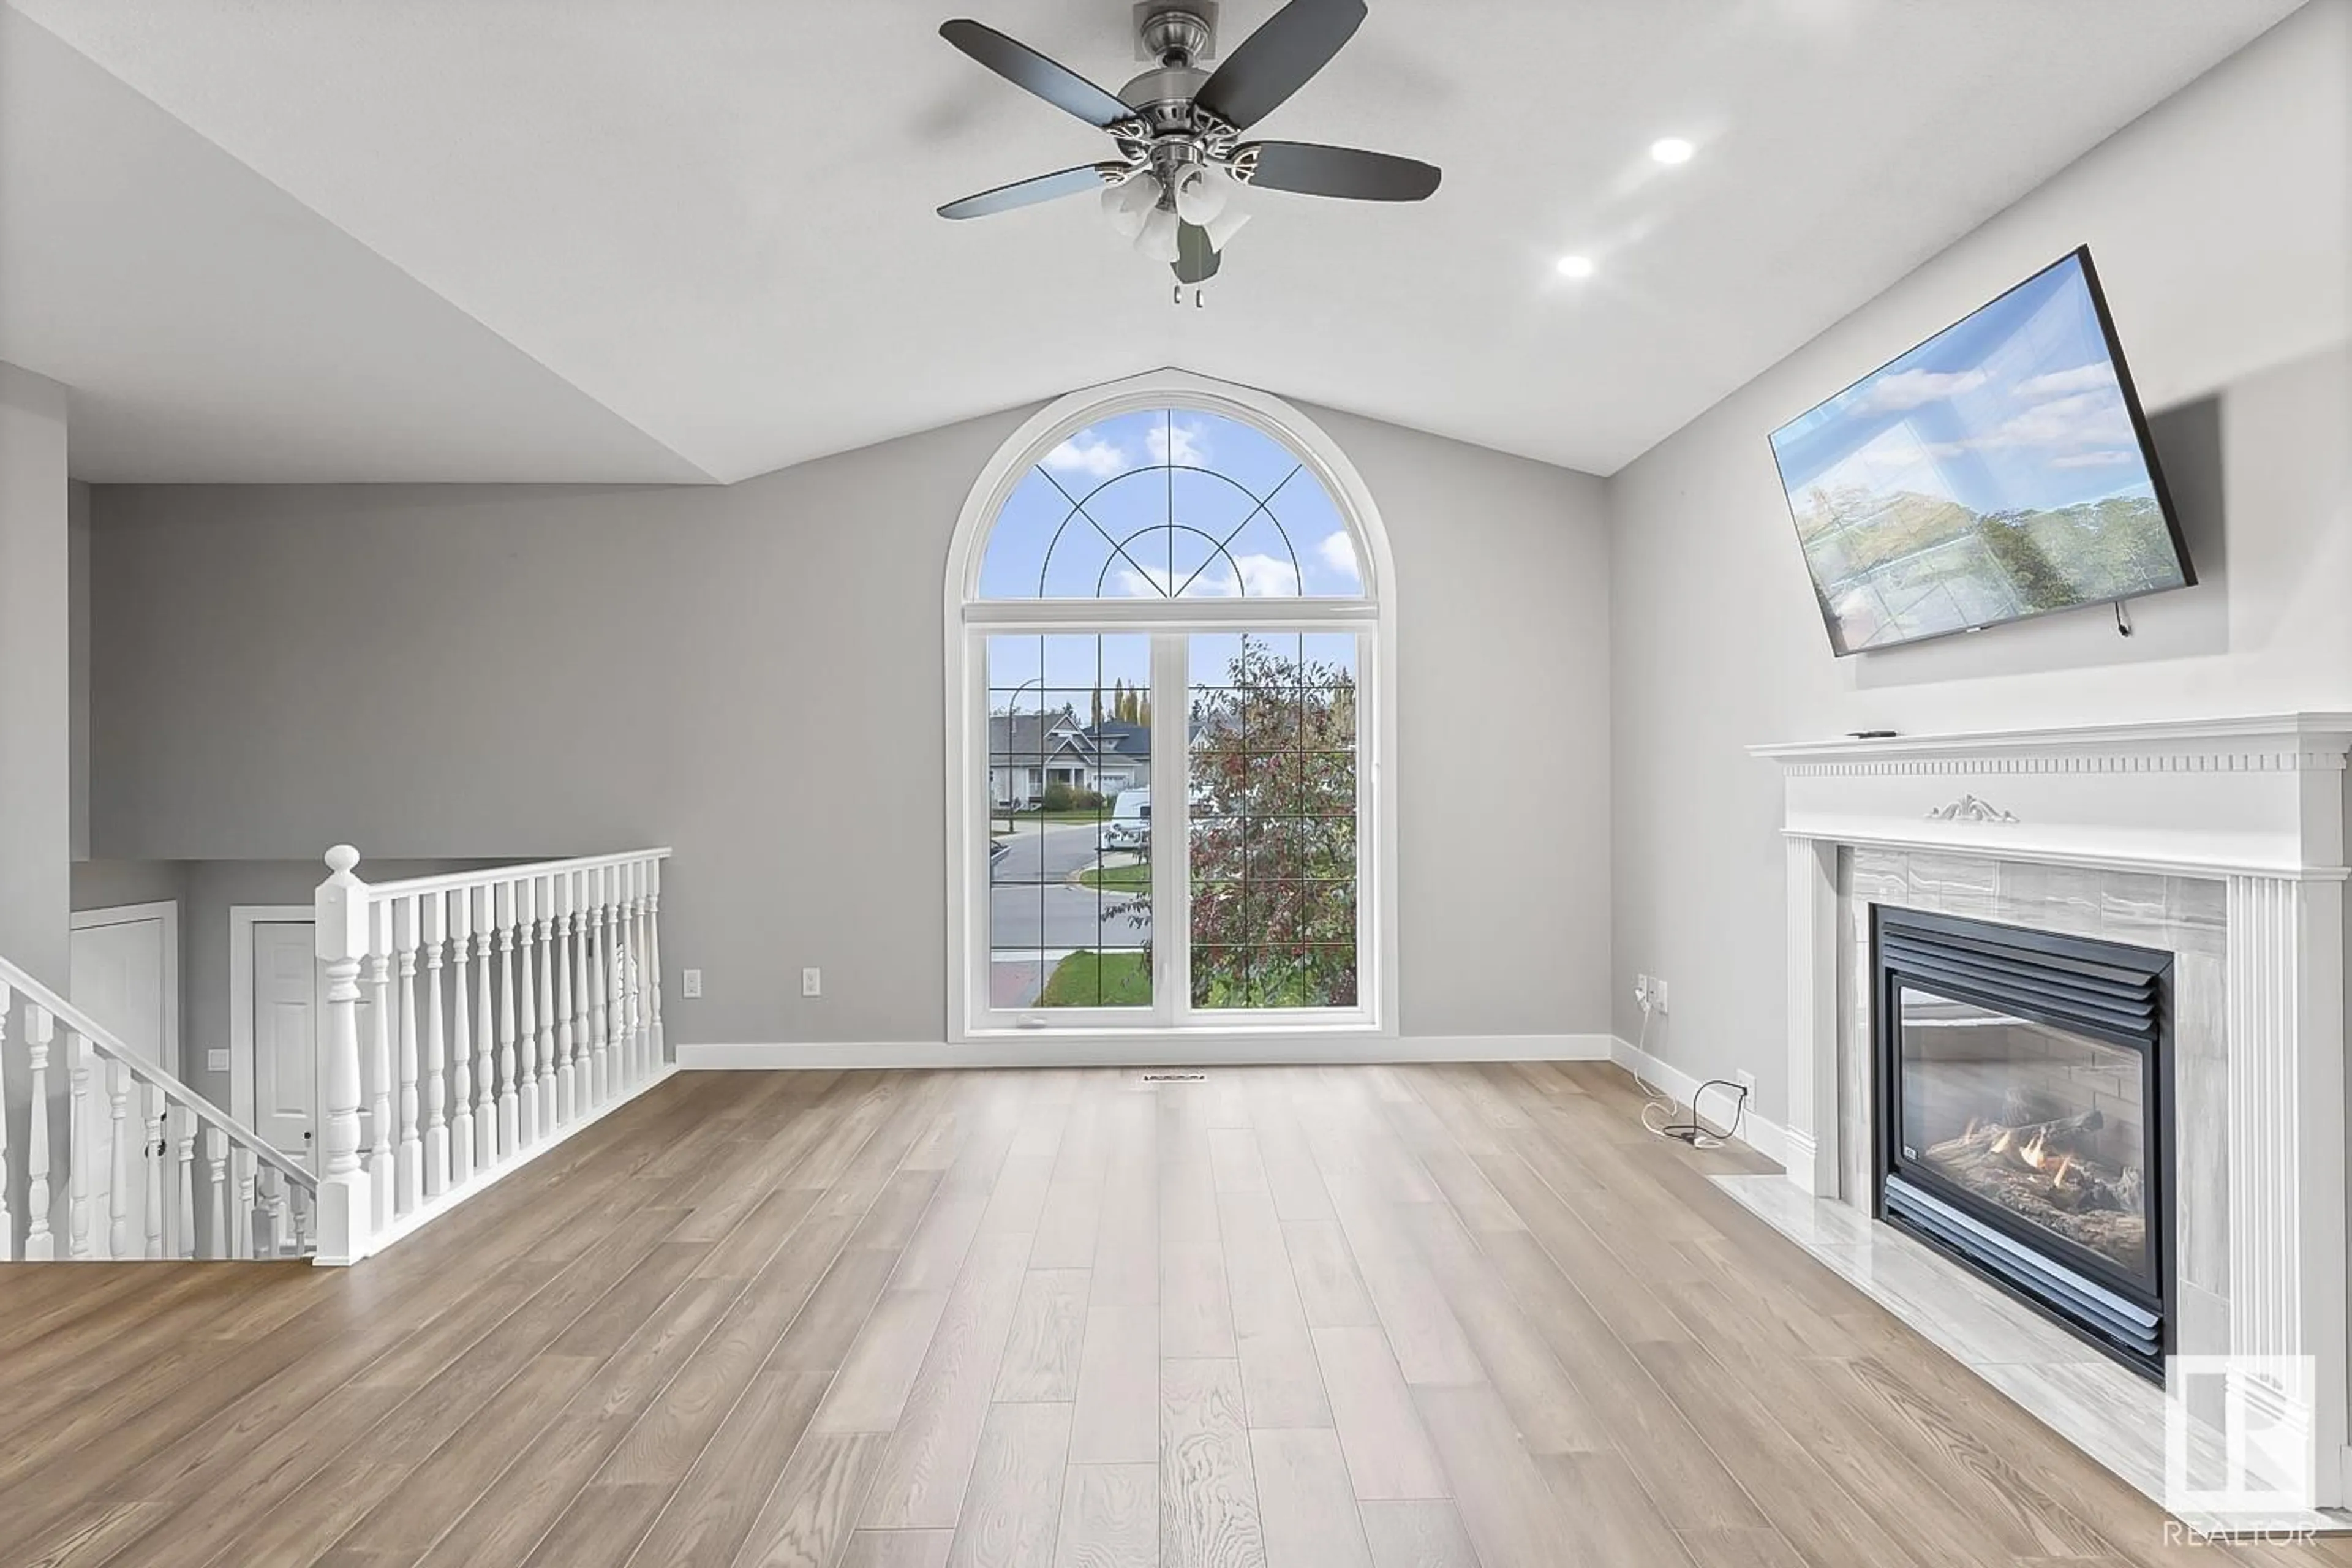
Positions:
{"x": 691, "y": 983}
{"x": 1640, "y": 990}
{"x": 1657, "y": 994}
{"x": 1747, "y": 1081}
{"x": 812, "y": 982}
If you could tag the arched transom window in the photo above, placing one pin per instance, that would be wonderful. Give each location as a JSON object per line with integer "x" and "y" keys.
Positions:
{"x": 1168, "y": 645}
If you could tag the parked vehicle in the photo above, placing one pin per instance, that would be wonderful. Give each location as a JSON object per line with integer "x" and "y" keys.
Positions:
{"x": 1129, "y": 825}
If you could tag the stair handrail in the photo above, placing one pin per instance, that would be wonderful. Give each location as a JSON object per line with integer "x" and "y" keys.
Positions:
{"x": 105, "y": 1043}
{"x": 505, "y": 870}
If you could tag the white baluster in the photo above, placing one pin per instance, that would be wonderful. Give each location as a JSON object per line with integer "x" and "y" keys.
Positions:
{"x": 78, "y": 1150}
{"x": 346, "y": 1203}
{"x": 301, "y": 1222}
{"x": 656, "y": 1048}
{"x": 460, "y": 905}
{"x": 638, "y": 1054}
{"x": 567, "y": 1103}
{"x": 433, "y": 915}
{"x": 152, "y": 1155}
{"x": 410, "y": 1165}
{"x": 7, "y": 1220}
{"x": 526, "y": 1029}
{"x": 273, "y": 1203}
{"x": 592, "y": 974}
{"x": 509, "y": 1111}
{"x": 486, "y": 1030}
{"x": 542, "y": 930}
{"x": 41, "y": 1243}
{"x": 381, "y": 1185}
{"x": 184, "y": 1217}
{"x": 617, "y": 981}
{"x": 216, "y": 1174}
{"x": 241, "y": 1222}
{"x": 118, "y": 1175}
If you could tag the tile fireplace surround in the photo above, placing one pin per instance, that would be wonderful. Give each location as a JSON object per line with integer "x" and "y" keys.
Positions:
{"x": 2220, "y": 841}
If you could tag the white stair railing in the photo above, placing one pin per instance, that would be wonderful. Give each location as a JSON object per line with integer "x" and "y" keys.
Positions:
{"x": 438, "y": 1077}
{"x": 180, "y": 1177}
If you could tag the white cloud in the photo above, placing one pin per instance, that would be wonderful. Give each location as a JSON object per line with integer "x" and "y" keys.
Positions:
{"x": 1088, "y": 453}
{"x": 2095, "y": 377}
{"x": 1339, "y": 552}
{"x": 1912, "y": 388}
{"x": 2084, "y": 419}
{"x": 2092, "y": 459}
{"x": 1264, "y": 576}
{"x": 1186, "y": 446}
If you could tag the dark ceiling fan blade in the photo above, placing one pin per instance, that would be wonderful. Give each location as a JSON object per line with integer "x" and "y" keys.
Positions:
{"x": 1314, "y": 170}
{"x": 1024, "y": 67}
{"x": 1277, "y": 60}
{"x": 1196, "y": 260}
{"x": 1026, "y": 193}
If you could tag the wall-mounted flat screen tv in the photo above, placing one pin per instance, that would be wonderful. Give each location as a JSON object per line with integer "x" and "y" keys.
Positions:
{"x": 2000, "y": 469}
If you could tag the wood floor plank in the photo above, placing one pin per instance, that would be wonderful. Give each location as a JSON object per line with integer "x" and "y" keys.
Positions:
{"x": 1196, "y": 1311}
{"x": 1426, "y": 1534}
{"x": 1389, "y": 1453}
{"x": 1208, "y": 1492}
{"x": 1506, "y": 1504}
{"x": 1110, "y": 1517}
{"x": 930, "y": 1458}
{"x": 1117, "y": 1421}
{"x": 710, "y": 1510}
{"x": 1306, "y": 1507}
{"x": 1324, "y": 1269}
{"x": 1049, "y": 1326}
{"x": 808, "y": 1519}
{"x": 898, "y": 1549}
{"x": 1429, "y": 1344}
{"x": 1013, "y": 1507}
{"x": 869, "y": 1392}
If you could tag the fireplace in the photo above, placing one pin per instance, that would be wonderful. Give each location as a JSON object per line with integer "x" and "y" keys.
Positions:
{"x": 2023, "y": 1116}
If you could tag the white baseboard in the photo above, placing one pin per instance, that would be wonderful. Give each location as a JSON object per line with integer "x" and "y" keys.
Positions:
{"x": 1204, "y": 1050}
{"x": 1767, "y": 1137}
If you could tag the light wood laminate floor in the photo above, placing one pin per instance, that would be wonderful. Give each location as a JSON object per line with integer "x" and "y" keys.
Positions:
{"x": 1303, "y": 1318}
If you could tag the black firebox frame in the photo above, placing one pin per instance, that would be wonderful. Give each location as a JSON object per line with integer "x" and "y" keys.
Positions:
{"x": 2110, "y": 992}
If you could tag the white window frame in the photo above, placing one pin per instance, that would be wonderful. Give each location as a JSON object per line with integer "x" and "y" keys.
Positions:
{"x": 970, "y": 621}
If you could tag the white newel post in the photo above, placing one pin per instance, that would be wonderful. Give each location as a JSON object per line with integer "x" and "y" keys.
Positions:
{"x": 1812, "y": 1125}
{"x": 346, "y": 1210}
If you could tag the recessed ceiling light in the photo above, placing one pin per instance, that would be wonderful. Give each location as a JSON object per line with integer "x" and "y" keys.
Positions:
{"x": 1672, "y": 150}
{"x": 1576, "y": 267}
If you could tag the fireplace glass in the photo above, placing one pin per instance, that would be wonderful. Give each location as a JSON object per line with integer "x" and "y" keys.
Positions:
{"x": 2046, "y": 1124}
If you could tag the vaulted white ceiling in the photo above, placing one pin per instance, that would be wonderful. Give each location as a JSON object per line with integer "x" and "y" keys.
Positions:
{"x": 622, "y": 240}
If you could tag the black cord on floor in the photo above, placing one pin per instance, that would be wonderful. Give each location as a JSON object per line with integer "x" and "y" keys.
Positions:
{"x": 1696, "y": 1133}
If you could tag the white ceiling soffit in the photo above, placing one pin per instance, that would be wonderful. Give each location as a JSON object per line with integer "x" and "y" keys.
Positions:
{"x": 713, "y": 218}
{"x": 212, "y": 327}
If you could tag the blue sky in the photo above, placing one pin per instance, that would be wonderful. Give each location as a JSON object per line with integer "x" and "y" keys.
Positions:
{"x": 2015, "y": 409}
{"x": 1137, "y": 472}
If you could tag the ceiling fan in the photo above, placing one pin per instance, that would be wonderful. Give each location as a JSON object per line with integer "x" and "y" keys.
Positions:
{"x": 1176, "y": 185}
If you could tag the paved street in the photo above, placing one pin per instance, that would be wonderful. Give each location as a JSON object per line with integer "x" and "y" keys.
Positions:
{"x": 1031, "y": 904}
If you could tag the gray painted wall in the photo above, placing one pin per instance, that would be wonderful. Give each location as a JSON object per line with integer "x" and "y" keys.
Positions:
{"x": 36, "y": 706}
{"x": 2218, "y": 223}
{"x": 469, "y": 672}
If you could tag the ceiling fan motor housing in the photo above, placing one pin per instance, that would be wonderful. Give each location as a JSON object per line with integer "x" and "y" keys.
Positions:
{"x": 1176, "y": 34}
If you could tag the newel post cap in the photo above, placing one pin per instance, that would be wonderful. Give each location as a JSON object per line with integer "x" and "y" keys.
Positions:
{"x": 340, "y": 908}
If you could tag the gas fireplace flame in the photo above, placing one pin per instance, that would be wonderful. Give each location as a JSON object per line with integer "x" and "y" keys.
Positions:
{"x": 2033, "y": 1151}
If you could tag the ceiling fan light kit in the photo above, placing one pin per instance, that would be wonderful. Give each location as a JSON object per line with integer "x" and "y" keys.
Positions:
{"x": 1175, "y": 187}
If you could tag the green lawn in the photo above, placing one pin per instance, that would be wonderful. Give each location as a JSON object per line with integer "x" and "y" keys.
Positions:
{"x": 1119, "y": 979}
{"x": 1135, "y": 878}
{"x": 1092, "y": 814}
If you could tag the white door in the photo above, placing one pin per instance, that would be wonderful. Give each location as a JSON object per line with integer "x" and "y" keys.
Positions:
{"x": 285, "y": 1037}
{"x": 123, "y": 971}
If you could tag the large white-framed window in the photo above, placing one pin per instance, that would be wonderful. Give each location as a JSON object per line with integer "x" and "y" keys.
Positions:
{"x": 1171, "y": 644}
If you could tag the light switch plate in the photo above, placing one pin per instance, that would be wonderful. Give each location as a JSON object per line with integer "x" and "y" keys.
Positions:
{"x": 690, "y": 981}
{"x": 216, "y": 1061}
{"x": 811, "y": 983}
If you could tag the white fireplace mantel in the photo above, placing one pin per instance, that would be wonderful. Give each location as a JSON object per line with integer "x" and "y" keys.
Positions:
{"x": 2256, "y": 804}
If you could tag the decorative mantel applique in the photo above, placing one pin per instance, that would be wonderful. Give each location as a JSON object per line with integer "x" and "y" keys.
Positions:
{"x": 1970, "y": 808}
